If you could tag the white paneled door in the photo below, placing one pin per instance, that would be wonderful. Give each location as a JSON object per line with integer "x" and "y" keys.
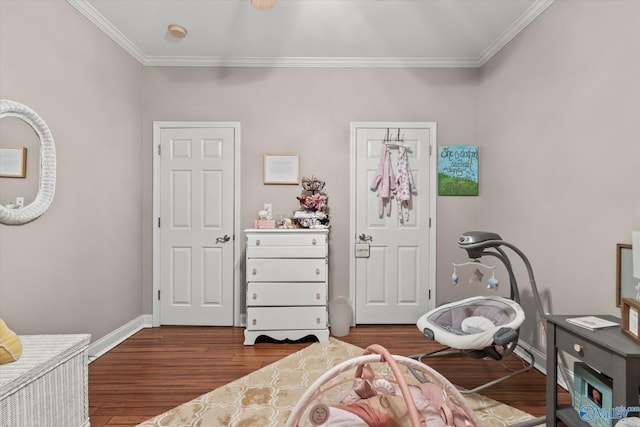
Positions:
{"x": 195, "y": 224}
{"x": 395, "y": 281}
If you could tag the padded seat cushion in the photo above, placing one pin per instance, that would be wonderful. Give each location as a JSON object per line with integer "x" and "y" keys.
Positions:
{"x": 470, "y": 324}
{"x": 10, "y": 344}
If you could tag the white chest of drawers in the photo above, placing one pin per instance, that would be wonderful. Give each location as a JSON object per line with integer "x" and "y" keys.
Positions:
{"x": 287, "y": 284}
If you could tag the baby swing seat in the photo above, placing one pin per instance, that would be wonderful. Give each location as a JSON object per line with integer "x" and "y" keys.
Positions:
{"x": 476, "y": 324}
{"x": 481, "y": 326}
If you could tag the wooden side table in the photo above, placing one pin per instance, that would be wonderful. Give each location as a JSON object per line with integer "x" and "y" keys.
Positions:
{"x": 605, "y": 350}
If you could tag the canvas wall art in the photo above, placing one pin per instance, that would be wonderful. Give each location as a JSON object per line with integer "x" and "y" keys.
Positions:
{"x": 458, "y": 170}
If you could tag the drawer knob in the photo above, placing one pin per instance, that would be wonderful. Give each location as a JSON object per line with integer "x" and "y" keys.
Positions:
{"x": 318, "y": 320}
{"x": 254, "y": 295}
{"x": 254, "y": 321}
{"x": 257, "y": 242}
{"x": 313, "y": 242}
{"x": 317, "y": 271}
{"x": 577, "y": 348}
{"x": 254, "y": 271}
{"x": 318, "y": 295}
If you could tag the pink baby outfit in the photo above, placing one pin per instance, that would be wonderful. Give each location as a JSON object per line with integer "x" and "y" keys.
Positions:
{"x": 404, "y": 187}
{"x": 384, "y": 181}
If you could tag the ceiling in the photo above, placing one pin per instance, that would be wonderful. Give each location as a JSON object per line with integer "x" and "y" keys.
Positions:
{"x": 313, "y": 33}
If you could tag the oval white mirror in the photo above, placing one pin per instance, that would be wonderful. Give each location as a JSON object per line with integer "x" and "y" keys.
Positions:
{"x": 47, "y": 181}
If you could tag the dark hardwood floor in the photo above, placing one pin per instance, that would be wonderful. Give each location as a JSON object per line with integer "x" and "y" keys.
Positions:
{"x": 159, "y": 368}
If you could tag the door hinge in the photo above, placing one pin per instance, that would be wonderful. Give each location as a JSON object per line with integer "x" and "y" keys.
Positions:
{"x": 429, "y": 222}
{"x": 159, "y": 150}
{"x": 159, "y": 222}
{"x": 159, "y": 294}
{"x": 430, "y": 147}
{"x": 429, "y": 294}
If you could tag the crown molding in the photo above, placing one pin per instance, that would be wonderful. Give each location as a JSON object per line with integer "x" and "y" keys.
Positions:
{"x": 103, "y": 24}
{"x": 309, "y": 62}
{"x": 510, "y": 33}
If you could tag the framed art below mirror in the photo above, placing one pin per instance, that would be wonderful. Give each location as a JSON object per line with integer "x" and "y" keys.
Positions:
{"x": 627, "y": 286}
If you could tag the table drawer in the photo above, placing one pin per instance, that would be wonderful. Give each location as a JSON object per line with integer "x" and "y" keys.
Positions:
{"x": 286, "y": 270}
{"x": 278, "y": 294}
{"x": 588, "y": 352}
{"x": 284, "y": 318}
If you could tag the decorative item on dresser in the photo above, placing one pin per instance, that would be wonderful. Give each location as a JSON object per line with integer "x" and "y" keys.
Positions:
{"x": 287, "y": 284}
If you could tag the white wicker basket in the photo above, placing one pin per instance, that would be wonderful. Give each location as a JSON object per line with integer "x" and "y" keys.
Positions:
{"x": 48, "y": 384}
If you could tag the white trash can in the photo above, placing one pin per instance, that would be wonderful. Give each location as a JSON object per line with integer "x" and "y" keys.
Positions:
{"x": 340, "y": 316}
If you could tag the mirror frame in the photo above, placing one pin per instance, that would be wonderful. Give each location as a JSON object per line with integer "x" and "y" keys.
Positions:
{"x": 47, "y": 181}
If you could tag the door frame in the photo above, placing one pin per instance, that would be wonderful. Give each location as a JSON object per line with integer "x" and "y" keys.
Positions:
{"x": 433, "y": 196}
{"x": 158, "y": 126}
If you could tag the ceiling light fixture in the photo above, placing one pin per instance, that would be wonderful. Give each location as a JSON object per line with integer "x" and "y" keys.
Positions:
{"x": 177, "y": 31}
{"x": 263, "y": 4}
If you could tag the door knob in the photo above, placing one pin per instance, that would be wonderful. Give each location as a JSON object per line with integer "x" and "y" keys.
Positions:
{"x": 224, "y": 239}
{"x": 364, "y": 238}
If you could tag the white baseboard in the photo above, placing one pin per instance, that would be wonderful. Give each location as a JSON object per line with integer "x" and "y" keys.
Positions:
{"x": 540, "y": 363}
{"x": 112, "y": 339}
{"x": 539, "y": 358}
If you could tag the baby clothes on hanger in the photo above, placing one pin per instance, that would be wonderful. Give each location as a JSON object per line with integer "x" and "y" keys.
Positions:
{"x": 404, "y": 187}
{"x": 384, "y": 181}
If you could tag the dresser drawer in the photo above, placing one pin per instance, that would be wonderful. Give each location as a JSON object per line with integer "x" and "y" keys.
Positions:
{"x": 286, "y": 239}
{"x": 286, "y": 270}
{"x": 584, "y": 350}
{"x": 266, "y": 294}
{"x": 287, "y": 245}
{"x": 283, "y": 318}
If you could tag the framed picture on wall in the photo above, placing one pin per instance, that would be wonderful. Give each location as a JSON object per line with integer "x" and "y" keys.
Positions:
{"x": 630, "y": 320}
{"x": 13, "y": 162}
{"x": 627, "y": 286}
{"x": 458, "y": 170}
{"x": 281, "y": 168}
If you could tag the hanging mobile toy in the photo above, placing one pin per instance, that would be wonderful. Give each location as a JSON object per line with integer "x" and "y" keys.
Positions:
{"x": 493, "y": 282}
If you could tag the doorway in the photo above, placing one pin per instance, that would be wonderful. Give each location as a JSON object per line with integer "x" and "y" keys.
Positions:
{"x": 196, "y": 201}
{"x": 392, "y": 274}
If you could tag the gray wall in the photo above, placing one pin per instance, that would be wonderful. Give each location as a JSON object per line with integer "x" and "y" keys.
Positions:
{"x": 307, "y": 111}
{"x": 558, "y": 126}
{"x": 76, "y": 268}
{"x": 552, "y": 113}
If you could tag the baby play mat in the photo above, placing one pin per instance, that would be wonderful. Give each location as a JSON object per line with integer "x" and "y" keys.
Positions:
{"x": 267, "y": 396}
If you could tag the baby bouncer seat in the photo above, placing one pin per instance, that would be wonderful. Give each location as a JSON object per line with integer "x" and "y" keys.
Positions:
{"x": 380, "y": 395}
{"x": 481, "y": 326}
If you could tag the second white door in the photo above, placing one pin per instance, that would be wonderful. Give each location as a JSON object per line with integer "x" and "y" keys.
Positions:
{"x": 396, "y": 282}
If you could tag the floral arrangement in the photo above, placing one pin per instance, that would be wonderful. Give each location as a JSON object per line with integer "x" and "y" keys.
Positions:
{"x": 316, "y": 202}
{"x": 313, "y": 205}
